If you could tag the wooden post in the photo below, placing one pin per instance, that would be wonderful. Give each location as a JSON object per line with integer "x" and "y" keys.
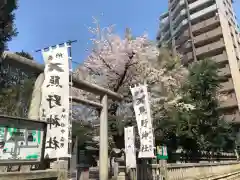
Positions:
{"x": 103, "y": 153}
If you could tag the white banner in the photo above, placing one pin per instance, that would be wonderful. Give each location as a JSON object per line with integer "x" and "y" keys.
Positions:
{"x": 130, "y": 151}
{"x": 144, "y": 122}
{"x": 55, "y": 101}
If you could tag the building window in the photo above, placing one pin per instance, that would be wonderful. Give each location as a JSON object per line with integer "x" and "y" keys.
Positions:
{"x": 224, "y": 3}
{"x": 230, "y": 11}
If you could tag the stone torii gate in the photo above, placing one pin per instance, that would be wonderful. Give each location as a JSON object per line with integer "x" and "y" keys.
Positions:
{"x": 26, "y": 64}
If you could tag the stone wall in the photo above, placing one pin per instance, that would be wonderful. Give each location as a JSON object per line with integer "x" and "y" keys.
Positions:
{"x": 227, "y": 170}
{"x": 35, "y": 175}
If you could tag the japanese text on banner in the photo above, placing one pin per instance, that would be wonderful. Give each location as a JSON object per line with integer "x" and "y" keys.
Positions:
{"x": 55, "y": 101}
{"x": 130, "y": 151}
{"x": 144, "y": 122}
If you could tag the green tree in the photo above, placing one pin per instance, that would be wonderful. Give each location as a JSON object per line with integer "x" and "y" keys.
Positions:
{"x": 202, "y": 128}
{"x": 117, "y": 63}
{"x": 205, "y": 122}
{"x": 7, "y": 28}
{"x": 16, "y": 89}
{"x": 25, "y": 54}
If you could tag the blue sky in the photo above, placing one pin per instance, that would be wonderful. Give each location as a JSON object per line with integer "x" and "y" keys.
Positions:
{"x": 42, "y": 23}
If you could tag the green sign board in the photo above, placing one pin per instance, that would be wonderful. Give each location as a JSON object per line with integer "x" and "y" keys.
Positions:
{"x": 20, "y": 144}
{"x": 162, "y": 152}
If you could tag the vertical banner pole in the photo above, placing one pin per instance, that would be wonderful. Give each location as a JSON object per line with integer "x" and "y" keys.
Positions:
{"x": 70, "y": 99}
{"x": 71, "y": 169}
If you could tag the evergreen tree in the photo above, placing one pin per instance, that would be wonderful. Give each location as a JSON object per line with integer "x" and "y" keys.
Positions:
{"x": 7, "y": 28}
{"x": 16, "y": 88}
{"x": 25, "y": 54}
{"x": 203, "y": 126}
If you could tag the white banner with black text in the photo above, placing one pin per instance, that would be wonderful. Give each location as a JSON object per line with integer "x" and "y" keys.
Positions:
{"x": 130, "y": 151}
{"x": 144, "y": 121}
{"x": 55, "y": 101}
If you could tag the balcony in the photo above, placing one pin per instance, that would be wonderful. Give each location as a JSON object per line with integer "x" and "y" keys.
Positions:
{"x": 210, "y": 48}
{"x": 206, "y": 25}
{"x": 185, "y": 47}
{"x": 237, "y": 52}
{"x": 180, "y": 26}
{"x": 177, "y": 9}
{"x": 220, "y": 58}
{"x": 234, "y": 44}
{"x": 203, "y": 26}
{"x": 174, "y": 3}
{"x": 196, "y": 16}
{"x": 182, "y": 38}
{"x": 182, "y": 15}
{"x": 200, "y": 4}
{"x": 204, "y": 12}
{"x": 226, "y": 86}
{"x": 163, "y": 15}
{"x": 225, "y": 71}
{"x": 165, "y": 36}
{"x": 229, "y": 102}
{"x": 164, "y": 27}
{"x": 208, "y": 37}
{"x": 238, "y": 39}
{"x": 164, "y": 20}
{"x": 232, "y": 117}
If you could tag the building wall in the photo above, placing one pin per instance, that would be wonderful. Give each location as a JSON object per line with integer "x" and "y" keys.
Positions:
{"x": 213, "y": 34}
{"x": 231, "y": 51}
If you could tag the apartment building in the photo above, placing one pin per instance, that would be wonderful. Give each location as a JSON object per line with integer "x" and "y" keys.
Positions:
{"x": 199, "y": 29}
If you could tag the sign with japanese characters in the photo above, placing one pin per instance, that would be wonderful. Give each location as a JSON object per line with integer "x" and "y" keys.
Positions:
{"x": 20, "y": 144}
{"x": 130, "y": 151}
{"x": 55, "y": 101}
{"x": 162, "y": 152}
{"x": 144, "y": 122}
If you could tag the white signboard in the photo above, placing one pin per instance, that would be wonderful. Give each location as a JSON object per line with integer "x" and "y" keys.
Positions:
{"x": 130, "y": 151}
{"x": 144, "y": 121}
{"x": 20, "y": 144}
{"x": 55, "y": 101}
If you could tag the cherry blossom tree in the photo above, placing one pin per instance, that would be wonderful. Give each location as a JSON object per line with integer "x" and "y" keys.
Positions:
{"x": 117, "y": 63}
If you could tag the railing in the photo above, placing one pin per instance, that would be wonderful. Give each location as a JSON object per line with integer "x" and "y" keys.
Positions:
{"x": 207, "y": 165}
{"x": 200, "y": 170}
{"x": 182, "y": 171}
{"x": 203, "y": 156}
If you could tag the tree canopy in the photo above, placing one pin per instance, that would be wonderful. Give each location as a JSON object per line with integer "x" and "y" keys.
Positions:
{"x": 25, "y": 54}
{"x": 16, "y": 85}
{"x": 118, "y": 63}
{"x": 184, "y": 101}
{"x": 7, "y": 28}
{"x": 201, "y": 128}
